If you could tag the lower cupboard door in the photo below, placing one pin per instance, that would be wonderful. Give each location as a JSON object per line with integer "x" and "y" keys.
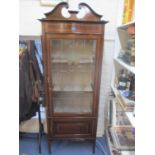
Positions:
{"x": 72, "y": 128}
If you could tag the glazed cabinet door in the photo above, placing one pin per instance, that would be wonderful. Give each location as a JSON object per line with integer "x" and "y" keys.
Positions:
{"x": 73, "y": 73}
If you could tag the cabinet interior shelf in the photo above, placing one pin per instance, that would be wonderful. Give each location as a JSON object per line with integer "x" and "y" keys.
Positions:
{"x": 73, "y": 62}
{"x": 126, "y": 66}
{"x": 72, "y": 90}
{"x": 88, "y": 88}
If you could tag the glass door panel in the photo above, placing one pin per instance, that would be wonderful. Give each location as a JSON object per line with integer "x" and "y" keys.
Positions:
{"x": 73, "y": 69}
{"x": 72, "y": 102}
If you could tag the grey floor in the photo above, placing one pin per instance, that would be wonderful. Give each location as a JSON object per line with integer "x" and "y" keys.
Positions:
{"x": 29, "y": 146}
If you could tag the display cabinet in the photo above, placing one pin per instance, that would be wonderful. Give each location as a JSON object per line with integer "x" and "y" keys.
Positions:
{"x": 72, "y": 54}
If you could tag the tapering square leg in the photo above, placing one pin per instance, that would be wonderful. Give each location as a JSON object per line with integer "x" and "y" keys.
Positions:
{"x": 49, "y": 146}
{"x": 94, "y": 146}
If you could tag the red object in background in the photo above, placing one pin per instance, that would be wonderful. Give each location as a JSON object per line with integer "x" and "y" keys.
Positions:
{"x": 131, "y": 30}
{"x": 20, "y": 56}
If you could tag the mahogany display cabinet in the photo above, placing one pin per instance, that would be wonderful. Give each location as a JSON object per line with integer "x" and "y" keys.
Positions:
{"x": 72, "y": 55}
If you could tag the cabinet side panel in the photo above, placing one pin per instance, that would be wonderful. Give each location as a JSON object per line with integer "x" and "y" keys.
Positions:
{"x": 44, "y": 53}
{"x": 98, "y": 78}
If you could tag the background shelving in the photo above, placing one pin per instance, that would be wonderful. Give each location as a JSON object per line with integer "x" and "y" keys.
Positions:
{"x": 114, "y": 113}
{"x": 118, "y": 65}
{"x": 131, "y": 118}
{"x": 124, "y": 65}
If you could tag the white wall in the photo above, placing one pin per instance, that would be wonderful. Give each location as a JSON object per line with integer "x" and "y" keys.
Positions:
{"x": 30, "y": 11}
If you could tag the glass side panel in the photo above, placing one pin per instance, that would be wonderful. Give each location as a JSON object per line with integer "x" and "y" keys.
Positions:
{"x": 72, "y": 73}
